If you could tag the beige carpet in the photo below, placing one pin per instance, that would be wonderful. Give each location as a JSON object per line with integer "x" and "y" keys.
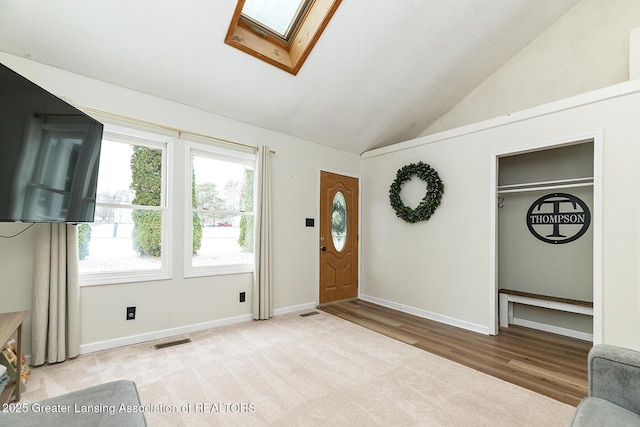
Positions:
{"x": 302, "y": 371}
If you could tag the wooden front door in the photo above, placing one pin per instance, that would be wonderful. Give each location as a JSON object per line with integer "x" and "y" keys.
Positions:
{"x": 338, "y": 237}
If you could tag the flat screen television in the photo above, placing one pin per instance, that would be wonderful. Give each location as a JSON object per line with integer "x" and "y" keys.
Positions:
{"x": 49, "y": 155}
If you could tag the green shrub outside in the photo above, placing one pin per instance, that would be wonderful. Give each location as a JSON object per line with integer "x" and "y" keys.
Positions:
{"x": 84, "y": 237}
{"x": 146, "y": 182}
{"x": 246, "y": 239}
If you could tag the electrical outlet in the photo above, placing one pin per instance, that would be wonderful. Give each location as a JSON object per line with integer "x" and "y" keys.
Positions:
{"x": 131, "y": 313}
{"x": 242, "y": 297}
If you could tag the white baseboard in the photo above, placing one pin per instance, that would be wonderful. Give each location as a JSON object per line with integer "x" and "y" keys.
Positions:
{"x": 428, "y": 315}
{"x": 585, "y": 336}
{"x": 166, "y": 333}
{"x": 294, "y": 308}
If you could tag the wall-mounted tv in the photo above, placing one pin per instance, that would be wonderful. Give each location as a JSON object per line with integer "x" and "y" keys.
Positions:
{"x": 49, "y": 155}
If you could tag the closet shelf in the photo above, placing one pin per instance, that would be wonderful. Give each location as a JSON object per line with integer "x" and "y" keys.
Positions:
{"x": 546, "y": 185}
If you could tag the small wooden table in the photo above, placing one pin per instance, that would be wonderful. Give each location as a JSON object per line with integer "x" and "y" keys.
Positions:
{"x": 10, "y": 325}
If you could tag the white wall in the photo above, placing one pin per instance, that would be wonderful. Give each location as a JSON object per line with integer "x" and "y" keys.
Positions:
{"x": 179, "y": 304}
{"x": 16, "y": 277}
{"x": 442, "y": 267}
{"x": 586, "y": 49}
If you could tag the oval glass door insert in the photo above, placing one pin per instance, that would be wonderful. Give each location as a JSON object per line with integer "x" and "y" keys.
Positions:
{"x": 339, "y": 221}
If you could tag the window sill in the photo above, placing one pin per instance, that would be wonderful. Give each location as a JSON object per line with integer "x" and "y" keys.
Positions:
{"x": 218, "y": 270}
{"x": 123, "y": 277}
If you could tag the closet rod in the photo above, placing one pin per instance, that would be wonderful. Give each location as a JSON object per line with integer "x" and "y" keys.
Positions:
{"x": 546, "y": 185}
{"x": 169, "y": 128}
{"x": 542, "y": 188}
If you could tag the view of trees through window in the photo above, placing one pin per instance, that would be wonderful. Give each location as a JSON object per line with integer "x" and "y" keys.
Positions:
{"x": 127, "y": 233}
{"x": 223, "y": 205}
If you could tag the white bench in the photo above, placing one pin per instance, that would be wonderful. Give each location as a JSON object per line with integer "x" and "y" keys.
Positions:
{"x": 508, "y": 297}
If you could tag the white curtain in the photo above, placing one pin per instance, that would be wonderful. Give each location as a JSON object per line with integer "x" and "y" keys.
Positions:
{"x": 262, "y": 301}
{"x": 56, "y": 295}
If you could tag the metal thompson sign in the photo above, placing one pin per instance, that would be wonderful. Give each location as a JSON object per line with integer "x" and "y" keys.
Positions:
{"x": 558, "y": 218}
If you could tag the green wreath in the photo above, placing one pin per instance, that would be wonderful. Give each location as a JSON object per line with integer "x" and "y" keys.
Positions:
{"x": 429, "y": 202}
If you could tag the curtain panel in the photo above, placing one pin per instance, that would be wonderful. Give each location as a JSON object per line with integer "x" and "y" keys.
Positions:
{"x": 262, "y": 301}
{"x": 56, "y": 295}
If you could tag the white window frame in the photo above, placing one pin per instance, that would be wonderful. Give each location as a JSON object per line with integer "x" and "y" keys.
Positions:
{"x": 166, "y": 144}
{"x": 218, "y": 153}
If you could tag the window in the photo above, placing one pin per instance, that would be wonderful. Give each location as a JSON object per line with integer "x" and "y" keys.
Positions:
{"x": 281, "y": 32}
{"x": 130, "y": 240}
{"x": 126, "y": 240}
{"x": 220, "y": 220}
{"x": 281, "y": 18}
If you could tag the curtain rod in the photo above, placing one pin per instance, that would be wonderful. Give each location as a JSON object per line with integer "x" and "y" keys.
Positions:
{"x": 157, "y": 125}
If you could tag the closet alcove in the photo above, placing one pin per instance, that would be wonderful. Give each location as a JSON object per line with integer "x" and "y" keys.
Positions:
{"x": 529, "y": 264}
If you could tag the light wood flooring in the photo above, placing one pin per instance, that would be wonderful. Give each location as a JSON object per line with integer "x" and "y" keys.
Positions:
{"x": 549, "y": 364}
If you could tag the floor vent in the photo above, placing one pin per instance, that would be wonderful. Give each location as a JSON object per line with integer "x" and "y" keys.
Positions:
{"x": 172, "y": 343}
{"x": 311, "y": 313}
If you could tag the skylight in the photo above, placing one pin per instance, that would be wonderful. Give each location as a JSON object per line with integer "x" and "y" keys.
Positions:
{"x": 279, "y": 16}
{"x": 280, "y": 32}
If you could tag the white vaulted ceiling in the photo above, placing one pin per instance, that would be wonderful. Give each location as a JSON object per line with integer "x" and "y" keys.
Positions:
{"x": 381, "y": 73}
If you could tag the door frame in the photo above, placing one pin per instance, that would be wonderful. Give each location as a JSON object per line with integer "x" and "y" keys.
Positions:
{"x": 596, "y": 218}
{"x": 317, "y": 227}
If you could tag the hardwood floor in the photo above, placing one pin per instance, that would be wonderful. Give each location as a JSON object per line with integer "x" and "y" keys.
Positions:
{"x": 549, "y": 364}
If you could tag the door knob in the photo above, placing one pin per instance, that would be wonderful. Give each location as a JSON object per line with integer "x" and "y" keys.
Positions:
{"x": 323, "y": 248}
